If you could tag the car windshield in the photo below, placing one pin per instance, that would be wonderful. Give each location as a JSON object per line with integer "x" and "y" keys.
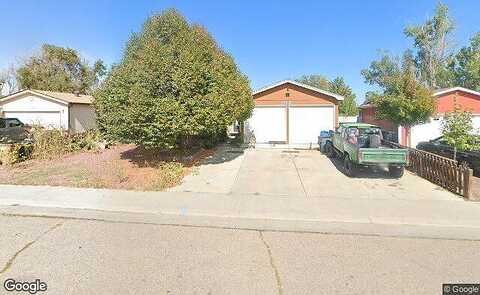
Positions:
{"x": 13, "y": 123}
{"x": 440, "y": 140}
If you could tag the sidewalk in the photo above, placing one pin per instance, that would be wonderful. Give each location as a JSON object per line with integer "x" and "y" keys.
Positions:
{"x": 394, "y": 217}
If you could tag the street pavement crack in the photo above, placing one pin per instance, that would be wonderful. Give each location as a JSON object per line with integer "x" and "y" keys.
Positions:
{"x": 272, "y": 263}
{"x": 28, "y": 245}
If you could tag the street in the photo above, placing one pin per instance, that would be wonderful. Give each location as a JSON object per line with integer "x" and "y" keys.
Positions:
{"x": 75, "y": 256}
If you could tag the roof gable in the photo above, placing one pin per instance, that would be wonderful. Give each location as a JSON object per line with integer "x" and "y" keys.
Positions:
{"x": 301, "y": 85}
{"x": 453, "y": 89}
{"x": 61, "y": 97}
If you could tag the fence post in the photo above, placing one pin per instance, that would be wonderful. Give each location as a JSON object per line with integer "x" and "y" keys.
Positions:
{"x": 467, "y": 185}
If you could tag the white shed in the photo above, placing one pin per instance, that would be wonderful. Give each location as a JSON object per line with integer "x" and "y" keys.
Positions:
{"x": 68, "y": 111}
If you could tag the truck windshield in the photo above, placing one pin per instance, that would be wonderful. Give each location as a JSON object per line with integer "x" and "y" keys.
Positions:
{"x": 369, "y": 131}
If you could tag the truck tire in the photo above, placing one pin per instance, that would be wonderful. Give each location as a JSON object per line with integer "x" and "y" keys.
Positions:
{"x": 329, "y": 150}
{"x": 349, "y": 166}
{"x": 395, "y": 171}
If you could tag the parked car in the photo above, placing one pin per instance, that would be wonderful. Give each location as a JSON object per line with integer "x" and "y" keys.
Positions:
{"x": 440, "y": 147}
{"x": 360, "y": 144}
{"x": 12, "y": 130}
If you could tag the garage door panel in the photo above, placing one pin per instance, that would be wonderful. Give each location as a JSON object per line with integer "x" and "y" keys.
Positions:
{"x": 269, "y": 124}
{"x": 46, "y": 119}
{"x": 306, "y": 123}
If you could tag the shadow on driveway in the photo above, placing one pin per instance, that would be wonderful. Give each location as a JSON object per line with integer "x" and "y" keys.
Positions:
{"x": 224, "y": 153}
{"x": 364, "y": 172}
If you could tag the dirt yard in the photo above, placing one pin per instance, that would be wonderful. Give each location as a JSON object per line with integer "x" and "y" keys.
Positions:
{"x": 121, "y": 167}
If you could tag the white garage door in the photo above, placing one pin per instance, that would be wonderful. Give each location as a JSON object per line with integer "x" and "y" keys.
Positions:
{"x": 305, "y": 123}
{"x": 46, "y": 119}
{"x": 269, "y": 124}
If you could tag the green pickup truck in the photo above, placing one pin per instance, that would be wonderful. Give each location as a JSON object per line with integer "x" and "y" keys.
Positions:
{"x": 360, "y": 144}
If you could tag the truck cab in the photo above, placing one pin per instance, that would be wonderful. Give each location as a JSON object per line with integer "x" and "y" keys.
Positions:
{"x": 360, "y": 144}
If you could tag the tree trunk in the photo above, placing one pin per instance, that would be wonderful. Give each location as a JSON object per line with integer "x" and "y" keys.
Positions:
{"x": 407, "y": 135}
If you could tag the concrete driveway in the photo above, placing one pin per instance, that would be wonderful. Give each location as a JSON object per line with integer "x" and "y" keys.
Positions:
{"x": 300, "y": 173}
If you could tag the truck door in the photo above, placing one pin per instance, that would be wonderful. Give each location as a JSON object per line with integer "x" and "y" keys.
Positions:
{"x": 337, "y": 139}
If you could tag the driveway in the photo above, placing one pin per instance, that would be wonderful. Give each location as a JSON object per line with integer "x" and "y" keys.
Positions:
{"x": 300, "y": 173}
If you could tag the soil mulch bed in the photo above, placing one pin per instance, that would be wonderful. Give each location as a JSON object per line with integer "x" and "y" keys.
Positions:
{"x": 120, "y": 167}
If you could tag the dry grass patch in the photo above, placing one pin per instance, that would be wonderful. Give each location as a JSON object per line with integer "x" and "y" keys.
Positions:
{"x": 121, "y": 167}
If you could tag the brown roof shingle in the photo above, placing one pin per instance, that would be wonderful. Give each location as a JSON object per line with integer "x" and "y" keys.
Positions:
{"x": 67, "y": 97}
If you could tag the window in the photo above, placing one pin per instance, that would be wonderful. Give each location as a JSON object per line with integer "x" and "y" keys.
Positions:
{"x": 14, "y": 123}
{"x": 441, "y": 141}
{"x": 2, "y": 123}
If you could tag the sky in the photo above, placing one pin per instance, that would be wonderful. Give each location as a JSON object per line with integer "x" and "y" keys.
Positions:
{"x": 269, "y": 40}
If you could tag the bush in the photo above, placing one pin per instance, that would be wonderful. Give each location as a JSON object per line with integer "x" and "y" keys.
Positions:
{"x": 174, "y": 88}
{"x": 15, "y": 153}
{"x": 88, "y": 140}
{"x": 51, "y": 143}
{"x": 48, "y": 144}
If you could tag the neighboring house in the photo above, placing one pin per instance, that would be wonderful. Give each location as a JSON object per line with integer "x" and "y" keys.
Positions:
{"x": 68, "y": 111}
{"x": 347, "y": 119}
{"x": 446, "y": 99}
{"x": 367, "y": 115}
{"x": 292, "y": 113}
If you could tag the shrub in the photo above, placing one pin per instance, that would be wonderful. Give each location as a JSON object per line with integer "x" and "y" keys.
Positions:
{"x": 51, "y": 143}
{"x": 48, "y": 144}
{"x": 15, "y": 153}
{"x": 174, "y": 87}
{"x": 169, "y": 174}
{"x": 88, "y": 140}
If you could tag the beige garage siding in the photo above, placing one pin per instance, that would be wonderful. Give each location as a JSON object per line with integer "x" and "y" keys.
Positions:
{"x": 82, "y": 118}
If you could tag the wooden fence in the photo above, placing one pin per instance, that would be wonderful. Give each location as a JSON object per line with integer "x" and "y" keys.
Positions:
{"x": 445, "y": 172}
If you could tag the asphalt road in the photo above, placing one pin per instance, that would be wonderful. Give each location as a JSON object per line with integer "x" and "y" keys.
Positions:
{"x": 98, "y": 257}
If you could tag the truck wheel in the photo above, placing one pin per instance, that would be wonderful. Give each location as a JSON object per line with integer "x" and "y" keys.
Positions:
{"x": 349, "y": 166}
{"x": 395, "y": 171}
{"x": 329, "y": 151}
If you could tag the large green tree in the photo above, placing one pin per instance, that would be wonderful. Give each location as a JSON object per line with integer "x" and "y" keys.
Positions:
{"x": 318, "y": 81}
{"x": 173, "y": 87}
{"x": 402, "y": 100}
{"x": 348, "y": 107}
{"x": 432, "y": 41}
{"x": 59, "y": 69}
{"x": 465, "y": 67}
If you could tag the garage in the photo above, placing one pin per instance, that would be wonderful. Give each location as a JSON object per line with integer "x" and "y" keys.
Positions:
{"x": 60, "y": 110}
{"x": 306, "y": 122}
{"x": 52, "y": 119}
{"x": 269, "y": 124}
{"x": 292, "y": 113}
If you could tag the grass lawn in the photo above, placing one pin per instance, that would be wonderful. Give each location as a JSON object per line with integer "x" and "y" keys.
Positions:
{"x": 120, "y": 167}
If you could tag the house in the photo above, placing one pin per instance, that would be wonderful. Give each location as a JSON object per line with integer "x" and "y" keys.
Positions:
{"x": 69, "y": 111}
{"x": 290, "y": 112}
{"x": 367, "y": 115}
{"x": 446, "y": 99}
{"x": 467, "y": 99}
